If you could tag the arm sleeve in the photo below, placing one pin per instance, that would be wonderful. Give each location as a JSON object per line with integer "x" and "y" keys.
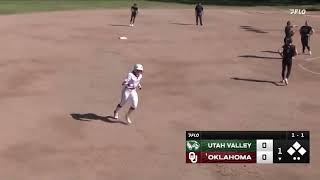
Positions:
{"x": 139, "y": 85}
{"x": 311, "y": 31}
{"x": 295, "y": 52}
{"x": 300, "y": 30}
{"x": 126, "y": 79}
{"x": 281, "y": 51}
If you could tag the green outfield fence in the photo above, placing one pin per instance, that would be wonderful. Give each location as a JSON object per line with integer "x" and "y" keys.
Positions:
{"x": 247, "y": 2}
{"x": 26, "y": 6}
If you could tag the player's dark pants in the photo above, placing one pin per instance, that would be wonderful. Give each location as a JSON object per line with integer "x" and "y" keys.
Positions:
{"x": 133, "y": 18}
{"x": 286, "y": 65}
{"x": 199, "y": 17}
{"x": 286, "y": 39}
{"x": 305, "y": 43}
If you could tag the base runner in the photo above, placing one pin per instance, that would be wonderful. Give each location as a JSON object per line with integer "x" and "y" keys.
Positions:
{"x": 129, "y": 92}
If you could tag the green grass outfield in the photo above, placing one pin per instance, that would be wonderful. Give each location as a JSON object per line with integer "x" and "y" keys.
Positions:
{"x": 27, "y": 6}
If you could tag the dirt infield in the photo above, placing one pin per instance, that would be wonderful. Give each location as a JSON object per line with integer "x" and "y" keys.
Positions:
{"x": 222, "y": 76}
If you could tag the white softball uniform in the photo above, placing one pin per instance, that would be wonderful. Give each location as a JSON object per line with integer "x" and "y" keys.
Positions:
{"x": 129, "y": 92}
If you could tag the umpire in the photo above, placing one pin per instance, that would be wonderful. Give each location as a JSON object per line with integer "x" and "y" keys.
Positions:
{"x": 306, "y": 31}
{"x": 199, "y": 13}
{"x": 287, "y": 53}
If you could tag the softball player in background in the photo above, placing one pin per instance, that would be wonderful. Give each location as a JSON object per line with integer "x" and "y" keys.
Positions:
{"x": 306, "y": 31}
{"x": 134, "y": 12}
{"x": 289, "y": 31}
{"x": 287, "y": 53}
{"x": 129, "y": 92}
{"x": 199, "y": 13}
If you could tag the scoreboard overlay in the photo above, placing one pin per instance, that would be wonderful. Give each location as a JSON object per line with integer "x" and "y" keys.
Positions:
{"x": 261, "y": 147}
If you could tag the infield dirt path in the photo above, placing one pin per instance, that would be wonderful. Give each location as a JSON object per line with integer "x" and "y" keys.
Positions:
{"x": 56, "y": 64}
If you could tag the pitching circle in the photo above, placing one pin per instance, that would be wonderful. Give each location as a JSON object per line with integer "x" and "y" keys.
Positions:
{"x": 308, "y": 70}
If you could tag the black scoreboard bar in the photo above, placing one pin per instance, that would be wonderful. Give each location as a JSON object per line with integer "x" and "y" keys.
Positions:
{"x": 263, "y": 147}
{"x": 249, "y": 135}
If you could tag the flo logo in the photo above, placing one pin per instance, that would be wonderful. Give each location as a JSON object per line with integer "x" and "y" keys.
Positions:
{"x": 193, "y": 145}
{"x": 297, "y": 11}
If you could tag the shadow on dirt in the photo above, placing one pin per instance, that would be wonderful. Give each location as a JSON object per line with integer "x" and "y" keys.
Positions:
{"x": 257, "y": 81}
{"x": 92, "y": 116}
{"x": 259, "y": 57}
{"x": 182, "y": 24}
{"x": 272, "y": 52}
{"x": 253, "y": 29}
{"x": 119, "y": 25}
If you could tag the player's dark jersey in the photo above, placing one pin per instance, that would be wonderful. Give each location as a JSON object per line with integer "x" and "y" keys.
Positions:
{"x": 305, "y": 31}
{"x": 199, "y": 9}
{"x": 134, "y": 9}
{"x": 289, "y": 31}
{"x": 288, "y": 52}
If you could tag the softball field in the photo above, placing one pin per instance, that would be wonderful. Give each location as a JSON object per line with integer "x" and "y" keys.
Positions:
{"x": 62, "y": 73}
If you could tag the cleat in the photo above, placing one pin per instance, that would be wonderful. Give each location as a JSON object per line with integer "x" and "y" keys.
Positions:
{"x": 286, "y": 81}
{"x": 310, "y": 53}
{"x": 128, "y": 119}
{"x": 116, "y": 115}
{"x": 283, "y": 81}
